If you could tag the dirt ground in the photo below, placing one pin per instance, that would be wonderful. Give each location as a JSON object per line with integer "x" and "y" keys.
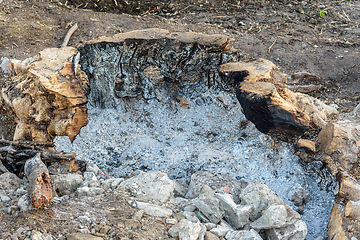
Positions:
{"x": 319, "y": 37}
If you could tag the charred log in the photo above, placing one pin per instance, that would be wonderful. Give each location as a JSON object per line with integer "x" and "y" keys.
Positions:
{"x": 117, "y": 65}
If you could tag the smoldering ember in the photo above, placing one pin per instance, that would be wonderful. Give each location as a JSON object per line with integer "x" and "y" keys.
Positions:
{"x": 157, "y": 134}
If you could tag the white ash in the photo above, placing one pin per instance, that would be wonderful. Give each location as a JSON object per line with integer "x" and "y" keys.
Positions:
{"x": 210, "y": 135}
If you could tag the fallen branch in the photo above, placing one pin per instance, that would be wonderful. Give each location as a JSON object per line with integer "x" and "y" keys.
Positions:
{"x": 68, "y": 35}
{"x": 39, "y": 182}
{"x": 48, "y": 156}
{"x": 27, "y": 144}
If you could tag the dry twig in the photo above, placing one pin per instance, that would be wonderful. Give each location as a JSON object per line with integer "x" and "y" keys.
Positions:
{"x": 68, "y": 35}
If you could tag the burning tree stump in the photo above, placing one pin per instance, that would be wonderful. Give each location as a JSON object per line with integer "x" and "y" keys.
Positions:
{"x": 39, "y": 182}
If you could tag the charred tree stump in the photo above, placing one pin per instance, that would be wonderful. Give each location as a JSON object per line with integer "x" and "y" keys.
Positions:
{"x": 39, "y": 181}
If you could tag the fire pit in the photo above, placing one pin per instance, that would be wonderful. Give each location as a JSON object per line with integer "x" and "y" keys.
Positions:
{"x": 158, "y": 102}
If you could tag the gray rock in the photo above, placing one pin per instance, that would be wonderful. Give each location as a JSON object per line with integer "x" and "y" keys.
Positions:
{"x": 211, "y": 236}
{"x": 153, "y": 210}
{"x": 171, "y": 221}
{"x": 89, "y": 191}
{"x": 154, "y": 186}
{"x": 9, "y": 181}
{"x": 5, "y": 199}
{"x": 274, "y": 216}
{"x": 82, "y": 236}
{"x": 10, "y": 210}
{"x": 259, "y": 197}
{"x": 21, "y": 191}
{"x": 191, "y": 216}
{"x": 91, "y": 167}
{"x": 190, "y": 207}
{"x": 236, "y": 215}
{"x": 24, "y": 203}
{"x": 40, "y": 236}
{"x": 243, "y": 235}
{"x": 210, "y": 226}
{"x": 209, "y": 206}
{"x": 139, "y": 214}
{"x": 106, "y": 184}
{"x": 116, "y": 182}
{"x": 4, "y": 63}
{"x": 189, "y": 230}
{"x": 215, "y": 181}
{"x": 202, "y": 232}
{"x": 222, "y": 229}
{"x": 296, "y": 231}
{"x": 174, "y": 231}
{"x": 90, "y": 180}
{"x": 180, "y": 189}
{"x": 65, "y": 184}
{"x": 83, "y": 219}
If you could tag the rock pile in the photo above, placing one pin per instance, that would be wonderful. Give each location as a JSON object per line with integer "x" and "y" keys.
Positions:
{"x": 213, "y": 206}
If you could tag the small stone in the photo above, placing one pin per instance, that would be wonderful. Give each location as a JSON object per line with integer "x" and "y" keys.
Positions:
{"x": 190, "y": 208}
{"x": 153, "y": 210}
{"x": 89, "y": 191}
{"x": 209, "y": 206}
{"x": 106, "y": 184}
{"x": 91, "y": 167}
{"x": 84, "y": 230}
{"x": 272, "y": 217}
{"x": 24, "y": 203}
{"x": 222, "y": 229}
{"x": 180, "y": 189}
{"x": 191, "y": 216}
{"x": 84, "y": 219}
{"x": 40, "y": 236}
{"x": 211, "y": 236}
{"x": 189, "y": 230}
{"x": 5, "y": 199}
{"x": 138, "y": 215}
{"x": 213, "y": 180}
{"x": 243, "y": 235}
{"x": 116, "y": 182}
{"x": 10, "y": 210}
{"x": 298, "y": 230}
{"x": 202, "y": 232}
{"x": 154, "y": 186}
{"x": 171, "y": 221}
{"x": 9, "y": 181}
{"x": 65, "y": 184}
{"x": 209, "y": 226}
{"x": 237, "y": 216}
{"x": 105, "y": 229}
{"x": 258, "y": 196}
{"x": 90, "y": 180}
{"x": 21, "y": 191}
{"x": 174, "y": 231}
